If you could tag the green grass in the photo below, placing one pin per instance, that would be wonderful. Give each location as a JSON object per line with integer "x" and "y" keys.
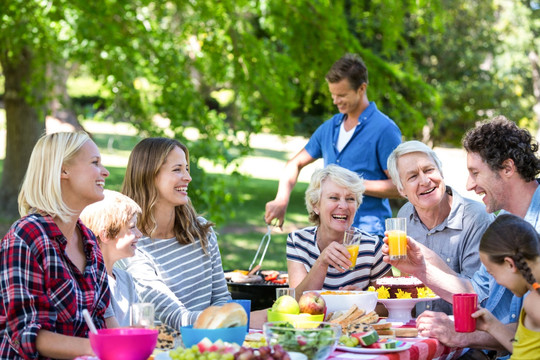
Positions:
{"x": 238, "y": 247}
{"x": 238, "y": 237}
{"x": 115, "y": 144}
{"x": 114, "y": 181}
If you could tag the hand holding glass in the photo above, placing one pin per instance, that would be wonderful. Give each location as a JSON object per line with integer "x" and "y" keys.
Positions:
{"x": 351, "y": 241}
{"x": 464, "y": 305}
{"x": 397, "y": 238}
{"x": 142, "y": 315}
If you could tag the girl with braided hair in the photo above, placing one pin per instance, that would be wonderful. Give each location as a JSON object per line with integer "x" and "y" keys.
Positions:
{"x": 510, "y": 251}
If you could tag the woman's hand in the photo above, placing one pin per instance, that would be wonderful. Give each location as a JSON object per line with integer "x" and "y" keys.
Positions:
{"x": 257, "y": 319}
{"x": 337, "y": 256}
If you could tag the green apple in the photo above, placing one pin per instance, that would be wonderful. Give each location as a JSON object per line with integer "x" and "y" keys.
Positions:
{"x": 286, "y": 304}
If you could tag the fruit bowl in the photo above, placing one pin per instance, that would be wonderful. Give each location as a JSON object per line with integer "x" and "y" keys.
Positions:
{"x": 315, "y": 340}
{"x": 299, "y": 320}
{"x": 191, "y": 336}
{"x": 124, "y": 343}
{"x": 339, "y": 300}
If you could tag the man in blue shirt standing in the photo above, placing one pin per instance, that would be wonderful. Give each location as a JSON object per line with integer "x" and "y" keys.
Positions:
{"x": 359, "y": 138}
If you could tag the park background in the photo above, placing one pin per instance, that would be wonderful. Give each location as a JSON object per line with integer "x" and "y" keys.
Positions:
{"x": 241, "y": 82}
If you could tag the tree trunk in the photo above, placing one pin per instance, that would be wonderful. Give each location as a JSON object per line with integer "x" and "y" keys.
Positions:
{"x": 24, "y": 124}
{"x": 63, "y": 117}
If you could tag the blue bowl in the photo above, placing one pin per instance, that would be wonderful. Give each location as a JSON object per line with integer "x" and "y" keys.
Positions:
{"x": 191, "y": 336}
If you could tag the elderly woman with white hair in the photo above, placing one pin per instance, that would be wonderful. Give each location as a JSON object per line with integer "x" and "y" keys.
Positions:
{"x": 316, "y": 256}
{"x": 437, "y": 216}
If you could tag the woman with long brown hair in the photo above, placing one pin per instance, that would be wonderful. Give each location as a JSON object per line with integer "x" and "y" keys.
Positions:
{"x": 177, "y": 265}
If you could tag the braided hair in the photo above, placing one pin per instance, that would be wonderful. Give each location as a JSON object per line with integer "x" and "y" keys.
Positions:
{"x": 511, "y": 236}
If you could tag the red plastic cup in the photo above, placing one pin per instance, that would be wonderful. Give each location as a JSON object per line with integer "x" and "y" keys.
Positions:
{"x": 464, "y": 305}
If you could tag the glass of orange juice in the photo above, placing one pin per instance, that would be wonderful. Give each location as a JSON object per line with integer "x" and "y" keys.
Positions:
{"x": 351, "y": 241}
{"x": 397, "y": 237}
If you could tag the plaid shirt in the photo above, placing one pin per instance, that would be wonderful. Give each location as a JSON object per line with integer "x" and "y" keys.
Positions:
{"x": 40, "y": 288}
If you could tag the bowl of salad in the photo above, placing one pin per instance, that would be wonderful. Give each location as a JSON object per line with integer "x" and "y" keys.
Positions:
{"x": 315, "y": 340}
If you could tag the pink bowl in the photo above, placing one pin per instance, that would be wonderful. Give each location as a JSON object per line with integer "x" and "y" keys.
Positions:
{"x": 124, "y": 343}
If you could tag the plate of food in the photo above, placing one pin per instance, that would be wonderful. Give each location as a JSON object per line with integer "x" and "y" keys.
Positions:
{"x": 401, "y": 346}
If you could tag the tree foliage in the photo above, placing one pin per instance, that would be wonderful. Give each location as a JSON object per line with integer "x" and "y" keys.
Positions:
{"x": 218, "y": 67}
{"x": 231, "y": 66}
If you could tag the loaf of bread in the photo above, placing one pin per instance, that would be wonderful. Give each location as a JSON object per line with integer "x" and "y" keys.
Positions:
{"x": 226, "y": 316}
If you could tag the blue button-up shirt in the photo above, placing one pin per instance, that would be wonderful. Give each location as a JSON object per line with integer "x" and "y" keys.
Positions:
{"x": 374, "y": 138}
{"x": 500, "y": 301}
{"x": 496, "y": 298}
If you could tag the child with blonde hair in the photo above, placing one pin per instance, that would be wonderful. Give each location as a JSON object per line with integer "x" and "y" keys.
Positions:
{"x": 510, "y": 251}
{"x": 114, "y": 222}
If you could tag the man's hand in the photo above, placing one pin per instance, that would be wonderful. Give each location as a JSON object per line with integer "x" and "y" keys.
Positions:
{"x": 439, "y": 326}
{"x": 413, "y": 264}
{"x": 276, "y": 209}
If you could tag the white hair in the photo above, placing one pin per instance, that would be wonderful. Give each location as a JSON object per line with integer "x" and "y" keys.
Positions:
{"x": 407, "y": 148}
{"x": 342, "y": 177}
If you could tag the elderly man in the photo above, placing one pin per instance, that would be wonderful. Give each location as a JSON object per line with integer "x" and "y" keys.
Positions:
{"x": 437, "y": 216}
{"x": 502, "y": 164}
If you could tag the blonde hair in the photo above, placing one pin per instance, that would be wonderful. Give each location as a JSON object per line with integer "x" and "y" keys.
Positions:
{"x": 139, "y": 184}
{"x": 110, "y": 215}
{"x": 342, "y": 177}
{"x": 41, "y": 191}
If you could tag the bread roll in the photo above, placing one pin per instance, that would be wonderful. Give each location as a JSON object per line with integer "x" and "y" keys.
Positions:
{"x": 206, "y": 317}
{"x": 226, "y": 316}
{"x": 406, "y": 332}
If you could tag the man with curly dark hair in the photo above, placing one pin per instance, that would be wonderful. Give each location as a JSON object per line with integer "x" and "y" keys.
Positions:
{"x": 502, "y": 164}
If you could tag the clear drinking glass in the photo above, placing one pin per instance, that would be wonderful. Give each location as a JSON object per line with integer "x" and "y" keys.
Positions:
{"x": 284, "y": 291}
{"x": 351, "y": 241}
{"x": 397, "y": 238}
{"x": 142, "y": 315}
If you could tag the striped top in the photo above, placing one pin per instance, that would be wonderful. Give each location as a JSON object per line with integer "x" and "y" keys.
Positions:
{"x": 302, "y": 247}
{"x": 180, "y": 280}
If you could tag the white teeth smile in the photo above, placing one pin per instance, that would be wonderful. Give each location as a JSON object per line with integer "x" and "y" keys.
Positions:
{"x": 181, "y": 188}
{"x": 100, "y": 183}
{"x": 340, "y": 217}
{"x": 428, "y": 192}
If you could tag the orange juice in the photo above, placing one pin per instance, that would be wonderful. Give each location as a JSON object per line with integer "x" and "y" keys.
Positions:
{"x": 397, "y": 243}
{"x": 353, "y": 250}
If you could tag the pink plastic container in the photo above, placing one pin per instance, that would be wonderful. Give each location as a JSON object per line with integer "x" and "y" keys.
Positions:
{"x": 124, "y": 343}
{"x": 464, "y": 306}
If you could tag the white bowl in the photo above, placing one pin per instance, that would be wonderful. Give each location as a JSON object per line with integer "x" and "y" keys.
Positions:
{"x": 341, "y": 300}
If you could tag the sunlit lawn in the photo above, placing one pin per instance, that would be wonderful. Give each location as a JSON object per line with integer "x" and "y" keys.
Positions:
{"x": 238, "y": 237}
{"x": 239, "y": 248}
